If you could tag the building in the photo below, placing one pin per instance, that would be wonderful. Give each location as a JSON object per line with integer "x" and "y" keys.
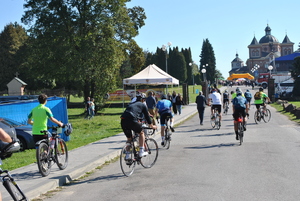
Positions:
{"x": 264, "y": 53}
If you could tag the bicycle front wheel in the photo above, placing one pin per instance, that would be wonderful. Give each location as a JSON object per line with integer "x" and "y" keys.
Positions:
{"x": 267, "y": 116}
{"x": 43, "y": 162}
{"x": 127, "y": 161}
{"x": 152, "y": 149}
{"x": 13, "y": 189}
{"x": 61, "y": 154}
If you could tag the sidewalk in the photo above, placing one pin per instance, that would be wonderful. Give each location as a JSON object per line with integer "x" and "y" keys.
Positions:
{"x": 81, "y": 160}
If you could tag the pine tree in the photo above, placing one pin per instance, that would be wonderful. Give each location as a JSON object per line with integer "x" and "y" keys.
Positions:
{"x": 208, "y": 57}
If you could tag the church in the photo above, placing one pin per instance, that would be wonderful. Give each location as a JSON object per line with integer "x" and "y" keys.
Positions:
{"x": 264, "y": 53}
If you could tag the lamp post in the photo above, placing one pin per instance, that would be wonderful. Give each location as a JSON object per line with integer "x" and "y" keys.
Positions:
{"x": 164, "y": 48}
{"x": 270, "y": 69}
{"x": 203, "y": 71}
{"x": 192, "y": 70}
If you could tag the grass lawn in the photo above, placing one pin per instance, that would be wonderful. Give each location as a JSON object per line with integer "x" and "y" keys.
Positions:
{"x": 292, "y": 117}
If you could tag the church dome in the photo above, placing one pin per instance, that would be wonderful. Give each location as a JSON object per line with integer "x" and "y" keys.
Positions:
{"x": 268, "y": 38}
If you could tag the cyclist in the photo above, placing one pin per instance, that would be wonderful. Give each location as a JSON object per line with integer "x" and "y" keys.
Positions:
{"x": 248, "y": 97}
{"x": 164, "y": 109}
{"x": 225, "y": 99}
{"x": 240, "y": 108}
{"x": 38, "y": 118}
{"x": 130, "y": 121}
{"x": 259, "y": 98}
{"x": 216, "y": 99}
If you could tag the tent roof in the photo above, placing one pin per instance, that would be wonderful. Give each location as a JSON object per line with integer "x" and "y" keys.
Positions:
{"x": 152, "y": 75}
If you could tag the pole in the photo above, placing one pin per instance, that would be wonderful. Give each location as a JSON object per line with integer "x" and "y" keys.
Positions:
{"x": 166, "y": 69}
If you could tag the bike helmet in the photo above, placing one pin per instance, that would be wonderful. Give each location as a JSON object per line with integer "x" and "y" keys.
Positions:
{"x": 163, "y": 96}
{"x": 261, "y": 89}
{"x": 238, "y": 93}
{"x": 237, "y": 89}
{"x": 140, "y": 96}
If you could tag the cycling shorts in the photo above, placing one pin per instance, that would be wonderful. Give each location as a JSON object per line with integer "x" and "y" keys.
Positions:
{"x": 163, "y": 117}
{"x": 225, "y": 100}
{"x": 129, "y": 125}
{"x": 258, "y": 105}
{"x": 248, "y": 100}
{"x": 237, "y": 113}
{"x": 219, "y": 107}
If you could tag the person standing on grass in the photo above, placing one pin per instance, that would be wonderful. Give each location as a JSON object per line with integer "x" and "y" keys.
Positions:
{"x": 201, "y": 102}
{"x": 87, "y": 107}
{"x": 92, "y": 109}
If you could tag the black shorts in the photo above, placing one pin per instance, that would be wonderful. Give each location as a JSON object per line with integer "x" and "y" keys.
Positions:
{"x": 219, "y": 107}
{"x": 258, "y": 105}
{"x": 239, "y": 112}
{"x": 37, "y": 138}
{"x": 225, "y": 100}
{"x": 129, "y": 125}
{"x": 163, "y": 117}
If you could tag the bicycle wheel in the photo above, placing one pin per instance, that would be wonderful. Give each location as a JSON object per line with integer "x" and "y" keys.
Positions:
{"x": 61, "y": 154}
{"x": 42, "y": 157}
{"x": 213, "y": 122}
{"x": 267, "y": 116}
{"x": 217, "y": 122}
{"x": 14, "y": 190}
{"x": 151, "y": 147}
{"x": 241, "y": 132}
{"x": 127, "y": 164}
{"x": 226, "y": 108}
{"x": 257, "y": 116}
{"x": 168, "y": 134}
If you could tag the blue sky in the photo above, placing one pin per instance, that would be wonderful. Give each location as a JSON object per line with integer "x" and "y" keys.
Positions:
{"x": 229, "y": 25}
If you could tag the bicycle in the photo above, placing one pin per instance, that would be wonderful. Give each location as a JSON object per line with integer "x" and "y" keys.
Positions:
{"x": 129, "y": 156}
{"x": 240, "y": 129}
{"x": 265, "y": 115}
{"x": 226, "y": 107}
{"x": 215, "y": 119}
{"x": 51, "y": 150}
{"x": 7, "y": 180}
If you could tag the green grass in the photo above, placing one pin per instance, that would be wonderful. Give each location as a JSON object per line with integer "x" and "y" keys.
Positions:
{"x": 106, "y": 123}
{"x": 292, "y": 117}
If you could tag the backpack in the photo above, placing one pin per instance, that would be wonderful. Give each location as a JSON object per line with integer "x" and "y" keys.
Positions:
{"x": 247, "y": 94}
{"x": 239, "y": 102}
{"x": 257, "y": 96}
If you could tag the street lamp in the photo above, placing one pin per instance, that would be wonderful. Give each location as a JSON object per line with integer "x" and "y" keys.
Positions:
{"x": 203, "y": 71}
{"x": 270, "y": 69}
{"x": 192, "y": 70}
{"x": 164, "y": 48}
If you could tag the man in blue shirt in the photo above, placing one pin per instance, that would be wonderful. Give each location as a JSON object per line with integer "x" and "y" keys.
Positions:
{"x": 164, "y": 108}
{"x": 240, "y": 108}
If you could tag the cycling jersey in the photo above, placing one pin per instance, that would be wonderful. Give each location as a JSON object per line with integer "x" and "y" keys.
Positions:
{"x": 261, "y": 101}
{"x": 163, "y": 106}
{"x": 40, "y": 114}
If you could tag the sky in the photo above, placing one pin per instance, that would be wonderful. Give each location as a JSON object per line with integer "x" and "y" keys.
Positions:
{"x": 229, "y": 25}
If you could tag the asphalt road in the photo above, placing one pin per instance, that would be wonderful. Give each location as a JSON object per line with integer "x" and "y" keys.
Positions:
{"x": 207, "y": 164}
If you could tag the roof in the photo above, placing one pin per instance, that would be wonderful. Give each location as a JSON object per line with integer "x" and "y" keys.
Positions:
{"x": 254, "y": 41}
{"x": 286, "y": 40}
{"x": 152, "y": 75}
{"x": 268, "y": 38}
{"x": 289, "y": 57}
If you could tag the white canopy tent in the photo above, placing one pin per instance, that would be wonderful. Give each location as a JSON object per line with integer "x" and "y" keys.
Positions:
{"x": 152, "y": 75}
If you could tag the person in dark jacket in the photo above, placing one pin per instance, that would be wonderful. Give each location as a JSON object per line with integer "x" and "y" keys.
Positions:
{"x": 201, "y": 102}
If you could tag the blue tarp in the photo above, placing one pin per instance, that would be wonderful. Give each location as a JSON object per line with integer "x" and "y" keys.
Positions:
{"x": 19, "y": 110}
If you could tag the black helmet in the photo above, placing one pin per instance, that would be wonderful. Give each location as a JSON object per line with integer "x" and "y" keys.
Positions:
{"x": 237, "y": 89}
{"x": 140, "y": 96}
{"x": 261, "y": 89}
{"x": 239, "y": 93}
{"x": 163, "y": 96}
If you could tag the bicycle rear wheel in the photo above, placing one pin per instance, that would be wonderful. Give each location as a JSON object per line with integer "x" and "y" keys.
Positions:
{"x": 127, "y": 163}
{"x": 217, "y": 120}
{"x": 167, "y": 138}
{"x": 267, "y": 116}
{"x": 257, "y": 116}
{"x": 61, "y": 154}
{"x": 42, "y": 157}
{"x": 14, "y": 190}
{"x": 241, "y": 132}
{"x": 151, "y": 147}
{"x": 213, "y": 121}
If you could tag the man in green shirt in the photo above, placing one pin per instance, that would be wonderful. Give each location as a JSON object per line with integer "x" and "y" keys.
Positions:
{"x": 38, "y": 117}
{"x": 259, "y": 98}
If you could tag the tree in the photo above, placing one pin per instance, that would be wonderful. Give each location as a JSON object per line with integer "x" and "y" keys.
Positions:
{"x": 12, "y": 39}
{"x": 296, "y": 75}
{"x": 208, "y": 57}
{"x": 83, "y": 41}
{"x": 177, "y": 65}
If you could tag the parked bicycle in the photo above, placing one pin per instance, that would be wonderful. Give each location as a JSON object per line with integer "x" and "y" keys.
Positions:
{"x": 7, "y": 180}
{"x": 215, "y": 119}
{"x": 262, "y": 114}
{"x": 50, "y": 151}
{"x": 129, "y": 156}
